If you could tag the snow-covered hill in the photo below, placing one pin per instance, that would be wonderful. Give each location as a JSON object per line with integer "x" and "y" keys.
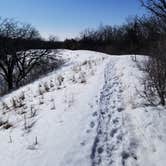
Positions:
{"x": 87, "y": 113}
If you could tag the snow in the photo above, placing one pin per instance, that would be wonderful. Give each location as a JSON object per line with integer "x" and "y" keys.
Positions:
{"x": 87, "y": 113}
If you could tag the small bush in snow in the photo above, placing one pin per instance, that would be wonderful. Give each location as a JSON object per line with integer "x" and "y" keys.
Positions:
{"x": 134, "y": 58}
{"x": 25, "y": 122}
{"x": 22, "y": 111}
{"x": 90, "y": 64}
{"x": 53, "y": 104}
{"x": 41, "y": 100}
{"x": 85, "y": 62}
{"x": 154, "y": 81}
{"x": 46, "y": 87}
{"x": 17, "y": 103}
{"x": 60, "y": 80}
{"x": 73, "y": 79}
{"x": 35, "y": 143}
{"x": 40, "y": 89}
{"x": 22, "y": 96}
{"x": 33, "y": 111}
{"x": 82, "y": 77}
{"x": 14, "y": 102}
{"x": 7, "y": 125}
{"x": 28, "y": 124}
{"x": 5, "y": 106}
{"x": 51, "y": 83}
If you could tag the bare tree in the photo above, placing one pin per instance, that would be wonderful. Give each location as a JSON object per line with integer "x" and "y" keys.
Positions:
{"x": 26, "y": 61}
{"x": 53, "y": 38}
{"x": 155, "y": 78}
{"x": 11, "y": 35}
{"x": 157, "y": 7}
{"x": 17, "y": 61}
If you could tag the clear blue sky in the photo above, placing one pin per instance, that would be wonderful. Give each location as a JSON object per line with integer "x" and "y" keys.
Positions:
{"x": 66, "y": 18}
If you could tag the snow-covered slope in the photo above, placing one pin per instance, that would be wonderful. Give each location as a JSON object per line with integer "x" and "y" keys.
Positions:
{"x": 87, "y": 113}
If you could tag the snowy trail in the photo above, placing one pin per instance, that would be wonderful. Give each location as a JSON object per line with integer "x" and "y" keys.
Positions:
{"x": 108, "y": 141}
{"x": 113, "y": 145}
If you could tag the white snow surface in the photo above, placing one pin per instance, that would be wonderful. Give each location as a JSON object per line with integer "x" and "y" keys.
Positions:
{"x": 87, "y": 113}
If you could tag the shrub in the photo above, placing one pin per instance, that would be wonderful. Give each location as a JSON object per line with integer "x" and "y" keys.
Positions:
{"x": 154, "y": 81}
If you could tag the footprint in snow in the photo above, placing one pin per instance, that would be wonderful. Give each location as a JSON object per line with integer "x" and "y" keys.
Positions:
{"x": 120, "y": 109}
{"x": 92, "y": 124}
{"x": 88, "y": 131}
{"x": 116, "y": 120}
{"x": 91, "y": 105}
{"x": 113, "y": 132}
{"x": 100, "y": 150}
{"x": 83, "y": 143}
{"x": 94, "y": 114}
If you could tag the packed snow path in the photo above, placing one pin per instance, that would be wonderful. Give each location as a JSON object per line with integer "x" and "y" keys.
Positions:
{"x": 109, "y": 121}
{"x": 108, "y": 145}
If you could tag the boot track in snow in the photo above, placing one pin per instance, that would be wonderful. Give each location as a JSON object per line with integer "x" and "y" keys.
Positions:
{"x": 108, "y": 144}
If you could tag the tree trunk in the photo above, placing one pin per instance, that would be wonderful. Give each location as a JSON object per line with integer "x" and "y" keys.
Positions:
{"x": 162, "y": 99}
{"x": 10, "y": 82}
